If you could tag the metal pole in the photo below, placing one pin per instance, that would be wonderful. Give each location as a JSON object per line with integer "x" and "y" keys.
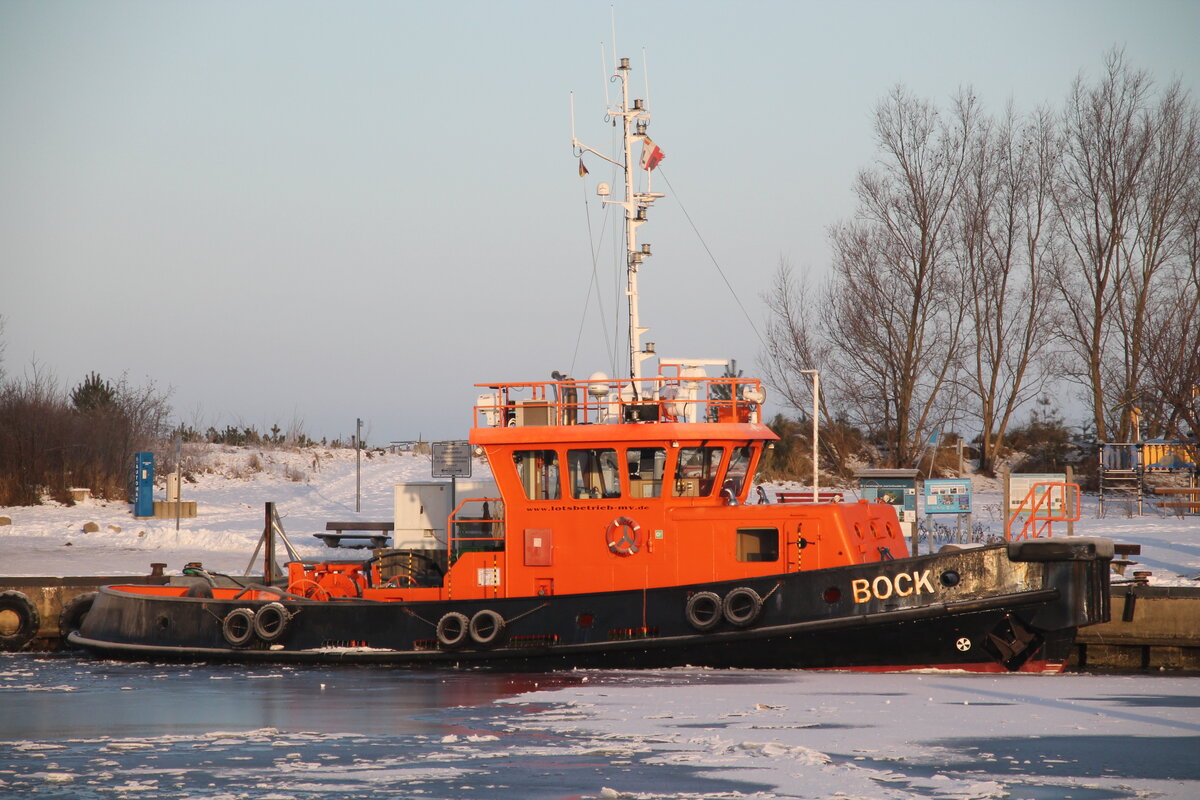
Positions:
{"x": 358, "y": 464}
{"x": 1067, "y": 498}
{"x": 269, "y": 537}
{"x": 816, "y": 431}
{"x": 178, "y": 482}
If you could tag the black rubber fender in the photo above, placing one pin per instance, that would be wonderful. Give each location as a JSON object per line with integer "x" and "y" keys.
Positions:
{"x": 21, "y": 620}
{"x": 73, "y": 614}
{"x": 238, "y": 626}
{"x": 742, "y": 606}
{"x": 487, "y": 627}
{"x": 271, "y": 621}
{"x": 453, "y": 629}
{"x": 703, "y": 611}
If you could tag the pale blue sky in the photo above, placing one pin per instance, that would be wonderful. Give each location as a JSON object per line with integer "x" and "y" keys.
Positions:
{"x": 328, "y": 210}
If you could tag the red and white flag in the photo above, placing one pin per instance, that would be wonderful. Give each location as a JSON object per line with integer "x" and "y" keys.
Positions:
{"x": 652, "y": 154}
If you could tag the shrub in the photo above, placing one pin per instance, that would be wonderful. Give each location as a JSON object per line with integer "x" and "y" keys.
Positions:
{"x": 51, "y": 441}
{"x": 1045, "y": 440}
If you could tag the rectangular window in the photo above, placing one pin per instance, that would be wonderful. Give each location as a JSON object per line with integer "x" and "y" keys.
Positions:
{"x": 593, "y": 473}
{"x": 538, "y": 470}
{"x": 696, "y": 471}
{"x": 757, "y": 544}
{"x": 645, "y": 466}
{"x": 739, "y": 465}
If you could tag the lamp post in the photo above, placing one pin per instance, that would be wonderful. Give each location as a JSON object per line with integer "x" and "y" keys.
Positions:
{"x": 358, "y": 465}
{"x": 816, "y": 378}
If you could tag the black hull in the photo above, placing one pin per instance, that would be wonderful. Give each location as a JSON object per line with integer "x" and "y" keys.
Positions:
{"x": 984, "y": 609}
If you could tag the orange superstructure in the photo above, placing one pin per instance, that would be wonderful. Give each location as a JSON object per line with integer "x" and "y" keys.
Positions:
{"x": 603, "y": 490}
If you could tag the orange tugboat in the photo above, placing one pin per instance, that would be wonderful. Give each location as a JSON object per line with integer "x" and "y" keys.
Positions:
{"x": 621, "y": 536}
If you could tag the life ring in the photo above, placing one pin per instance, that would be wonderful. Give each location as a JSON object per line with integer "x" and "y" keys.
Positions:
{"x": 19, "y": 620}
{"x": 703, "y": 610}
{"x": 238, "y": 626}
{"x": 74, "y": 612}
{"x": 486, "y": 627}
{"x": 742, "y": 606}
{"x": 271, "y": 621}
{"x": 453, "y": 629}
{"x": 624, "y": 536}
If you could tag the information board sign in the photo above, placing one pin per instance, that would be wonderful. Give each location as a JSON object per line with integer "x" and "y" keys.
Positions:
{"x": 451, "y": 459}
{"x": 1021, "y": 483}
{"x": 948, "y": 496}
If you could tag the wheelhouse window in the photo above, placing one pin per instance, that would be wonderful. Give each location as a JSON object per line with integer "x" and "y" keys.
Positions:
{"x": 757, "y": 544}
{"x": 538, "y": 470}
{"x": 645, "y": 467}
{"x": 696, "y": 470}
{"x": 739, "y": 466}
{"x": 593, "y": 473}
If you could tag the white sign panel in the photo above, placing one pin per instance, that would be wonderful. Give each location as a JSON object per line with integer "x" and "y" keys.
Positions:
{"x": 1049, "y": 500}
{"x": 451, "y": 459}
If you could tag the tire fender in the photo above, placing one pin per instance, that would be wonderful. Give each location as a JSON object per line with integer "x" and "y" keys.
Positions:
{"x": 271, "y": 622}
{"x": 703, "y": 611}
{"x": 14, "y": 604}
{"x": 453, "y": 629}
{"x": 742, "y": 606}
{"x": 487, "y": 627}
{"x": 238, "y": 626}
{"x": 73, "y": 614}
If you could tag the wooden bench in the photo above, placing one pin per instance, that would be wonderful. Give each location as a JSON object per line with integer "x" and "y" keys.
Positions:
{"x": 830, "y": 496}
{"x": 1191, "y": 503}
{"x": 339, "y": 535}
{"x": 1122, "y": 551}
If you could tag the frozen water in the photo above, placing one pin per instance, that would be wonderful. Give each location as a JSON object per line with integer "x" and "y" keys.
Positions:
{"x": 683, "y": 733}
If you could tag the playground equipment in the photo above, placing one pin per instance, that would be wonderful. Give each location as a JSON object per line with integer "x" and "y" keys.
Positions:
{"x": 1124, "y": 467}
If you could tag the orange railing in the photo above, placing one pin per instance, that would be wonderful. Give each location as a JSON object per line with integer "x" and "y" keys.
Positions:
{"x": 1045, "y": 504}
{"x": 666, "y": 398}
{"x": 483, "y": 531}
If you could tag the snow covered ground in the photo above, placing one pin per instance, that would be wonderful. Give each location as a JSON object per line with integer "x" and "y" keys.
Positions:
{"x": 309, "y": 487}
{"x": 313, "y": 486}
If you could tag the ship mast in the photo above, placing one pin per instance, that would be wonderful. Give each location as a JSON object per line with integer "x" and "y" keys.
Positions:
{"x": 634, "y": 119}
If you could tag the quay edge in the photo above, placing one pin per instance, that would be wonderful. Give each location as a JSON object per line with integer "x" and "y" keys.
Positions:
{"x": 49, "y": 596}
{"x": 1152, "y": 628}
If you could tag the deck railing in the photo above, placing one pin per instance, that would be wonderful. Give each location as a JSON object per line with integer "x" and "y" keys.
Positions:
{"x": 608, "y": 401}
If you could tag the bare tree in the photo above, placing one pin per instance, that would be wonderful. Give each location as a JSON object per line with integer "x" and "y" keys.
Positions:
{"x": 892, "y": 310}
{"x": 794, "y": 348}
{"x": 1004, "y": 217}
{"x": 1154, "y": 256}
{"x": 792, "y": 343}
{"x": 1173, "y": 337}
{"x": 1107, "y": 140}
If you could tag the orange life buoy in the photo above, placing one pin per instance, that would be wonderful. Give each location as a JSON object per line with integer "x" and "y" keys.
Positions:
{"x": 624, "y": 536}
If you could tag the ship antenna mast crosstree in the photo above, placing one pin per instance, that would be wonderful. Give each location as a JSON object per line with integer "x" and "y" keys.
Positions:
{"x": 634, "y": 120}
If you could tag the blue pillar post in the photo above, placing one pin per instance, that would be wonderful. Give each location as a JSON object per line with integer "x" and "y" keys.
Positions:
{"x": 143, "y": 481}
